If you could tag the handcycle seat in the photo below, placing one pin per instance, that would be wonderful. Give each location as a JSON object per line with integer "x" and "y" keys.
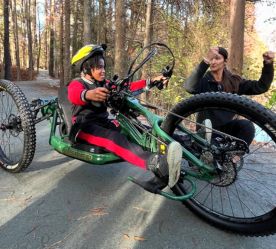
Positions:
{"x": 66, "y": 111}
{"x": 66, "y": 108}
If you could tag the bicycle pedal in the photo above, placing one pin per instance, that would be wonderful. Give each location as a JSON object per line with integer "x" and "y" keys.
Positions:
{"x": 153, "y": 185}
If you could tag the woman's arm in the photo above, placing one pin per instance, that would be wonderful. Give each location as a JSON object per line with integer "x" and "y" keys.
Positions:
{"x": 260, "y": 86}
{"x": 192, "y": 84}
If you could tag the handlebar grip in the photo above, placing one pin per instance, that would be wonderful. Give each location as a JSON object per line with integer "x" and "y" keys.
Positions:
{"x": 158, "y": 83}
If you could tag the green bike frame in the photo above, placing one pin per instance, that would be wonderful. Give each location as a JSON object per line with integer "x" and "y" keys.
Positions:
{"x": 154, "y": 141}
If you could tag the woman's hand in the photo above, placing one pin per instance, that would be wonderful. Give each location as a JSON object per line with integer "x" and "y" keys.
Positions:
{"x": 98, "y": 94}
{"x": 210, "y": 55}
{"x": 268, "y": 57}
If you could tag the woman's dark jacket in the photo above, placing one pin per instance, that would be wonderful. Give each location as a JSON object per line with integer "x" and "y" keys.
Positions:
{"x": 201, "y": 81}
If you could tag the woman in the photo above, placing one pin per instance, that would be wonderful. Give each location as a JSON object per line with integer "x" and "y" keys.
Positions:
{"x": 219, "y": 78}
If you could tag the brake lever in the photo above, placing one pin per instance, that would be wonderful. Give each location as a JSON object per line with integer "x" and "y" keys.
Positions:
{"x": 167, "y": 72}
{"x": 112, "y": 83}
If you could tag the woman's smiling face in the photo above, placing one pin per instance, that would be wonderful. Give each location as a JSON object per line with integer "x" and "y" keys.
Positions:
{"x": 217, "y": 63}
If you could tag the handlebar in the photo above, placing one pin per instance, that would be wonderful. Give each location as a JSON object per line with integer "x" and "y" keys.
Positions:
{"x": 118, "y": 87}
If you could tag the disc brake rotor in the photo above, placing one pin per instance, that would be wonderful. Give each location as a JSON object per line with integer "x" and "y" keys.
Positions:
{"x": 226, "y": 171}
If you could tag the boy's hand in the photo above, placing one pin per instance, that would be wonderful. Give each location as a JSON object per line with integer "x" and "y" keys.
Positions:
{"x": 163, "y": 80}
{"x": 268, "y": 57}
{"x": 98, "y": 94}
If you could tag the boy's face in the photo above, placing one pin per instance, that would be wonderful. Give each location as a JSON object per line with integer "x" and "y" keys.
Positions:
{"x": 98, "y": 73}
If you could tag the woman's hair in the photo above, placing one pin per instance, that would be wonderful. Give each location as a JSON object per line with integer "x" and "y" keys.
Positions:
{"x": 231, "y": 82}
{"x": 223, "y": 52}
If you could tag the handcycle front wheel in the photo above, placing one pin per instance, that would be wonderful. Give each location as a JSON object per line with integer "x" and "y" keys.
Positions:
{"x": 243, "y": 200}
{"x": 17, "y": 129}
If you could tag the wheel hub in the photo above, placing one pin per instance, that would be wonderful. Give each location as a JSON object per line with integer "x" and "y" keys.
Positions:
{"x": 226, "y": 175}
{"x": 14, "y": 125}
{"x": 226, "y": 171}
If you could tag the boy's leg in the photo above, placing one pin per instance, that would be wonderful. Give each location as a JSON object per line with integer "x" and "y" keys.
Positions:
{"x": 165, "y": 167}
{"x": 116, "y": 143}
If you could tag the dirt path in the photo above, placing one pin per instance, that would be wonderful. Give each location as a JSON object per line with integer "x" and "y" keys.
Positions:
{"x": 42, "y": 78}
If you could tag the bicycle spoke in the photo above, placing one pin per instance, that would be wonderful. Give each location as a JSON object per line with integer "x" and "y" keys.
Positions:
{"x": 239, "y": 199}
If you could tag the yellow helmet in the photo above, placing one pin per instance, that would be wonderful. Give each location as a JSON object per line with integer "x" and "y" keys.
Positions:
{"x": 84, "y": 54}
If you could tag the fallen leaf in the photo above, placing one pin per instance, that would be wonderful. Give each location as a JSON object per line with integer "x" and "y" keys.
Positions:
{"x": 98, "y": 211}
{"x": 84, "y": 217}
{"x": 139, "y": 238}
{"x": 141, "y": 209}
{"x": 28, "y": 198}
{"x": 100, "y": 214}
{"x": 126, "y": 236}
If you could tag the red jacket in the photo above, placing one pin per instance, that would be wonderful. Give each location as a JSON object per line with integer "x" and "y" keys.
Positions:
{"x": 84, "y": 111}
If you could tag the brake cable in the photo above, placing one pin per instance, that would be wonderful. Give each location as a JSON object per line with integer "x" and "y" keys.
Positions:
{"x": 194, "y": 122}
{"x": 183, "y": 118}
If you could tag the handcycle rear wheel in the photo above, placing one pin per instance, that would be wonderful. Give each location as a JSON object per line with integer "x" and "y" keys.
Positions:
{"x": 247, "y": 204}
{"x": 17, "y": 129}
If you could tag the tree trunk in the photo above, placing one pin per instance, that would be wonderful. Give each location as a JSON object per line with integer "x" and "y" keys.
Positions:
{"x": 148, "y": 38}
{"x": 87, "y": 36}
{"x": 45, "y": 36}
{"x": 7, "y": 55}
{"x": 136, "y": 11}
{"x": 34, "y": 29}
{"x": 66, "y": 62}
{"x": 237, "y": 13}
{"x": 109, "y": 22}
{"x": 148, "y": 29}
{"x": 76, "y": 27}
{"x": 61, "y": 46}
{"x": 38, "y": 46}
{"x": 16, "y": 43}
{"x": 52, "y": 37}
{"x": 119, "y": 67}
{"x": 24, "y": 35}
{"x": 30, "y": 38}
{"x": 101, "y": 32}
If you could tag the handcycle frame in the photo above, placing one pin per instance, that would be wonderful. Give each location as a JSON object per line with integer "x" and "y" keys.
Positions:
{"x": 50, "y": 110}
{"x": 154, "y": 139}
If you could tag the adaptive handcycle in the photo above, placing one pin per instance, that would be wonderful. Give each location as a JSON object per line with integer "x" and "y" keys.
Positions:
{"x": 223, "y": 180}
